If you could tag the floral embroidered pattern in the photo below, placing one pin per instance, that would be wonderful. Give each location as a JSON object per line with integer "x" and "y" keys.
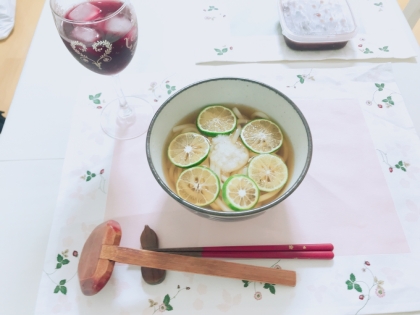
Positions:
{"x": 380, "y": 5}
{"x": 95, "y": 98}
{"x": 352, "y": 283}
{"x": 221, "y": 51}
{"x": 98, "y": 46}
{"x": 62, "y": 260}
{"x": 302, "y": 78}
{"x": 387, "y": 99}
{"x": 400, "y": 165}
{"x": 268, "y": 286}
{"x": 90, "y": 175}
{"x": 165, "y": 305}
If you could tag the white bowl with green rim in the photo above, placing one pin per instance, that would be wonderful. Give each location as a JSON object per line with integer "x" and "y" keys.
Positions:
{"x": 250, "y": 93}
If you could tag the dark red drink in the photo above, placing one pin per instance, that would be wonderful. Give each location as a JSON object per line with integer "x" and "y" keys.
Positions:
{"x": 100, "y": 40}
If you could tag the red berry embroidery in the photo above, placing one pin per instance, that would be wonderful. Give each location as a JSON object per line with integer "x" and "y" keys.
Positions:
{"x": 361, "y": 296}
{"x": 391, "y": 169}
{"x": 367, "y": 263}
{"x": 360, "y": 45}
{"x": 75, "y": 253}
{"x": 102, "y": 171}
{"x": 380, "y": 105}
{"x": 99, "y": 107}
{"x": 230, "y": 47}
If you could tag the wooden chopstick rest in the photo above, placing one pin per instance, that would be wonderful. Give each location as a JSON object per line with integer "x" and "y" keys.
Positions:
{"x": 150, "y": 241}
{"x": 101, "y": 251}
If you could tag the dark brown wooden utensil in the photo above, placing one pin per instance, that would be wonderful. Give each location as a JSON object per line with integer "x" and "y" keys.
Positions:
{"x": 149, "y": 240}
{"x": 101, "y": 251}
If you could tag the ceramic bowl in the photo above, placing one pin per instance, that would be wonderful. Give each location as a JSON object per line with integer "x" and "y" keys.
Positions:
{"x": 230, "y": 91}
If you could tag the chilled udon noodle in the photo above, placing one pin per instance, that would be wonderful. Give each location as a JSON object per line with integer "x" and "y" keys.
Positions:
{"x": 220, "y": 145}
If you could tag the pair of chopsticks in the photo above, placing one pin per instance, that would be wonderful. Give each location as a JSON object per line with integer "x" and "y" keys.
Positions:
{"x": 297, "y": 251}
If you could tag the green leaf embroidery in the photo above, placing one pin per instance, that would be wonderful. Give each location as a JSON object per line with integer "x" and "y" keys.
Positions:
{"x": 391, "y": 102}
{"x": 63, "y": 282}
{"x": 403, "y": 169}
{"x": 224, "y": 50}
{"x": 246, "y": 283}
{"x": 272, "y": 289}
{"x": 169, "y": 307}
{"x": 166, "y": 300}
{"x": 93, "y": 175}
{"x": 352, "y": 277}
{"x": 357, "y": 287}
{"x": 266, "y": 285}
{"x": 349, "y": 285}
{"x": 380, "y": 86}
{"x": 91, "y": 97}
{"x": 65, "y": 261}
{"x": 57, "y": 289}
{"x": 59, "y": 258}
{"x": 96, "y": 101}
{"x": 400, "y": 163}
{"x": 169, "y": 91}
{"x": 397, "y": 166}
{"x": 173, "y": 88}
{"x": 58, "y": 266}
{"x": 63, "y": 289}
{"x": 385, "y": 100}
{"x": 218, "y": 50}
{"x": 168, "y": 86}
{"x": 88, "y": 178}
{"x": 88, "y": 173}
{"x": 98, "y": 95}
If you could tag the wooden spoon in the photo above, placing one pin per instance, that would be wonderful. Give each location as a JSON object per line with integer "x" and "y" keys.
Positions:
{"x": 101, "y": 251}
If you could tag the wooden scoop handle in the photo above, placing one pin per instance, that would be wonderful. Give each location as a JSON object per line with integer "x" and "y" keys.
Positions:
{"x": 203, "y": 266}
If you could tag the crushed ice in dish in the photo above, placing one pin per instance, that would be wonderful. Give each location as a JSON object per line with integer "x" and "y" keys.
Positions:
{"x": 84, "y": 12}
{"x": 318, "y": 17}
{"x": 85, "y": 34}
{"x": 118, "y": 26}
{"x": 227, "y": 155}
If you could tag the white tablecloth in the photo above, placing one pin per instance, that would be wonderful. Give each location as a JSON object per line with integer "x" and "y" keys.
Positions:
{"x": 34, "y": 140}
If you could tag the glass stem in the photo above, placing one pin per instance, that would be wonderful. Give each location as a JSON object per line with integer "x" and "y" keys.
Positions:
{"x": 125, "y": 110}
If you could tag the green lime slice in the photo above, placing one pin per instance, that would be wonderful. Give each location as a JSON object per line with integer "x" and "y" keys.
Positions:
{"x": 240, "y": 192}
{"x": 268, "y": 171}
{"x": 198, "y": 185}
{"x": 262, "y": 136}
{"x": 216, "y": 120}
{"x": 188, "y": 149}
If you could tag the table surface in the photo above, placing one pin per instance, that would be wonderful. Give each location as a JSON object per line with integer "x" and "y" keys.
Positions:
{"x": 33, "y": 142}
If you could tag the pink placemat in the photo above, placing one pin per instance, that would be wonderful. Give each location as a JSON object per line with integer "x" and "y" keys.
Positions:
{"x": 343, "y": 200}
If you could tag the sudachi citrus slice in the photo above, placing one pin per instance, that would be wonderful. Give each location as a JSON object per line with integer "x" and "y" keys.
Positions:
{"x": 268, "y": 171}
{"x": 216, "y": 120}
{"x": 240, "y": 193}
{"x": 262, "y": 136}
{"x": 198, "y": 185}
{"x": 188, "y": 149}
